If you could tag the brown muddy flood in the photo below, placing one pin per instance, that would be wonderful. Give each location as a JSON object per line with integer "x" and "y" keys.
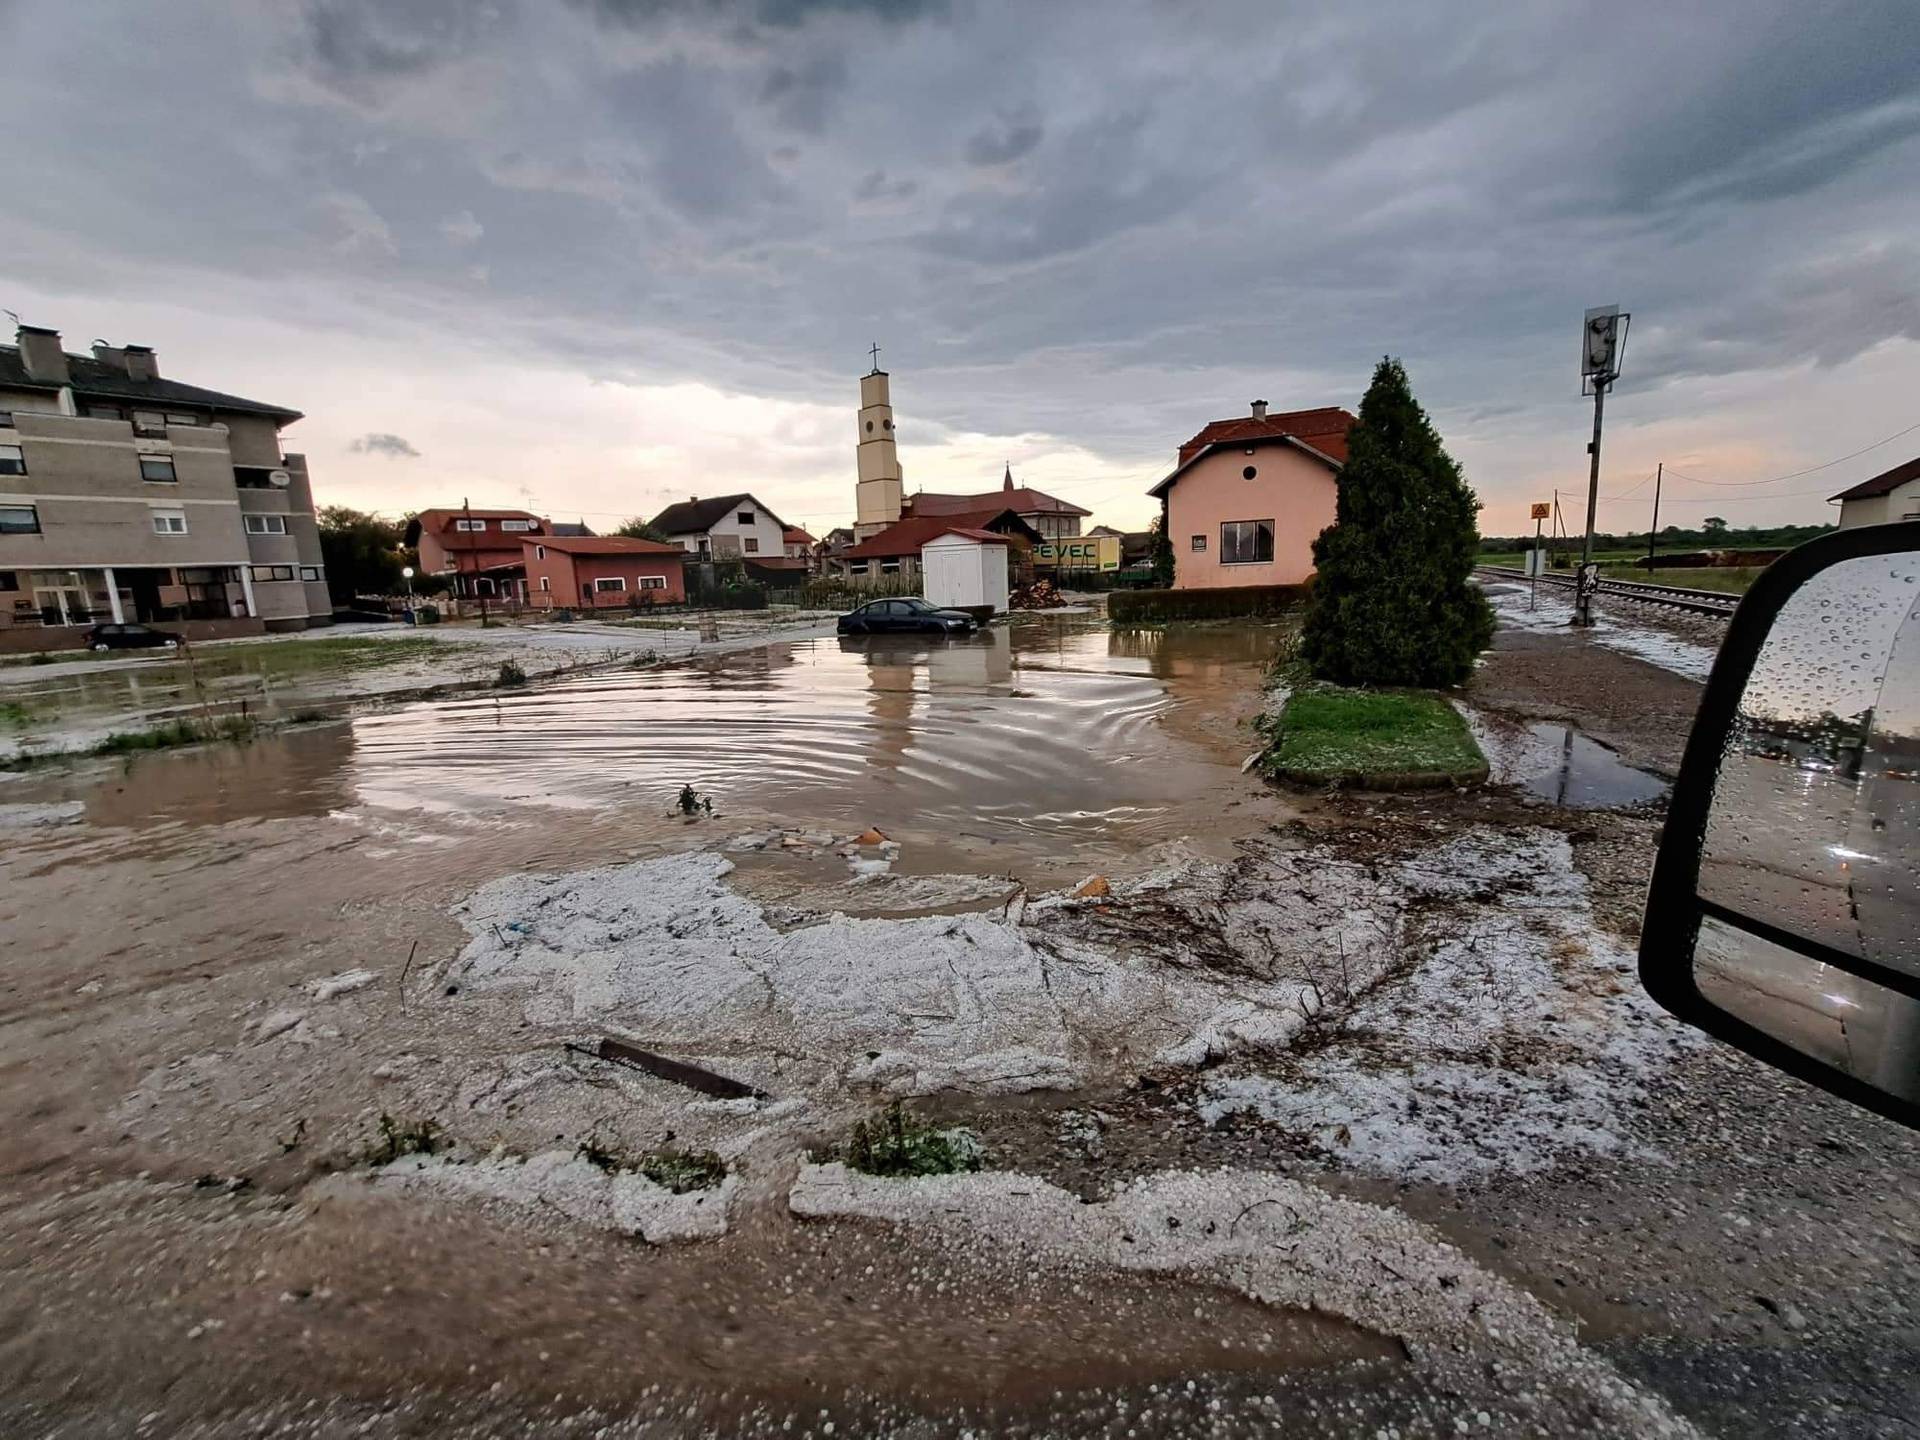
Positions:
{"x": 1044, "y": 739}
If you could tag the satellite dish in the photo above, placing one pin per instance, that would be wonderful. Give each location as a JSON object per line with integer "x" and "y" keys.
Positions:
{"x": 280, "y": 479}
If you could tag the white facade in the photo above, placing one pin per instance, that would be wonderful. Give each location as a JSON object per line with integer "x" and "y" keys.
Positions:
{"x": 1900, "y": 503}
{"x": 747, "y": 531}
{"x": 963, "y": 573}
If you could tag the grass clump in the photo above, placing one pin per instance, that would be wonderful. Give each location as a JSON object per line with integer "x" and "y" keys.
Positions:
{"x": 236, "y": 729}
{"x": 510, "y": 676}
{"x": 1372, "y": 739}
{"x": 898, "y": 1143}
{"x": 683, "y": 1170}
{"x": 400, "y": 1138}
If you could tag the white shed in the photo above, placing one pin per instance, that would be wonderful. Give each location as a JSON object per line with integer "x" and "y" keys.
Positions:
{"x": 966, "y": 570}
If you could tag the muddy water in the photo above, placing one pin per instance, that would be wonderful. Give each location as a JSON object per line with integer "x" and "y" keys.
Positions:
{"x": 1049, "y": 739}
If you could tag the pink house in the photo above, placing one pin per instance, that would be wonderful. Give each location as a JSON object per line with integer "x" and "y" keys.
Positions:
{"x": 1249, "y": 496}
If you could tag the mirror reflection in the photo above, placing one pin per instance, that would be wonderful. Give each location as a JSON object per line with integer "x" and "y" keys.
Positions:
{"x": 1817, "y": 802}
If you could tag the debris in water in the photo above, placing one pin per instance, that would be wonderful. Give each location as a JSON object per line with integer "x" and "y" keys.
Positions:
{"x": 1093, "y": 888}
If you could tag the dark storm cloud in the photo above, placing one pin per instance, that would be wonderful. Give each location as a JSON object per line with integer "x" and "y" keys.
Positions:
{"x": 876, "y": 185}
{"x": 784, "y": 14}
{"x": 349, "y": 43}
{"x": 1006, "y": 139}
{"x": 380, "y": 442}
{"x": 802, "y": 96}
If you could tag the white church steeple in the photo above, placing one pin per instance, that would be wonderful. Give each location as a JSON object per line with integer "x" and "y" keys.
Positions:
{"x": 877, "y": 494}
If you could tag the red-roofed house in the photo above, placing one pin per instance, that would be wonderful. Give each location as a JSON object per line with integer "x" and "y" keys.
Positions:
{"x": 1050, "y": 517}
{"x": 602, "y": 572}
{"x": 1249, "y": 495}
{"x": 480, "y": 549}
{"x": 895, "y": 551}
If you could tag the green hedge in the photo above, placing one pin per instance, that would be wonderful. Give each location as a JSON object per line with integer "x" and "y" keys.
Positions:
{"x": 1138, "y": 607}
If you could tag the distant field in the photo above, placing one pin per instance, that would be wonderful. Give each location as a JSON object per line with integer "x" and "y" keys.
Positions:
{"x": 1516, "y": 559}
{"x": 1734, "y": 579}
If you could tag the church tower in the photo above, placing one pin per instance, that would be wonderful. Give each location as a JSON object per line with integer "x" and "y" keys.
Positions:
{"x": 878, "y": 491}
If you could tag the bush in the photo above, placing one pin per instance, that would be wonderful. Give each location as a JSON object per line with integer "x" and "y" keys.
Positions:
{"x": 1393, "y": 600}
{"x": 898, "y": 1143}
{"x": 511, "y": 675}
{"x": 1146, "y": 607}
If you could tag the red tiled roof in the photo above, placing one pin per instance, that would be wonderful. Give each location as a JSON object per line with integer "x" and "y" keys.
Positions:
{"x": 985, "y": 537}
{"x": 601, "y": 545}
{"x": 1324, "y": 429}
{"x": 905, "y": 537}
{"x": 796, "y": 536}
{"x": 1884, "y": 483}
{"x": 1021, "y": 500}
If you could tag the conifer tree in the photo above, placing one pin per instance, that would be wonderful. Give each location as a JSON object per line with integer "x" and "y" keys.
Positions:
{"x": 1393, "y": 600}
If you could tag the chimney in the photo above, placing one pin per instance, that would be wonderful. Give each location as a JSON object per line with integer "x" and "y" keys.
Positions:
{"x": 1259, "y": 409}
{"x": 42, "y": 356}
{"x": 106, "y": 354}
{"x": 141, "y": 363}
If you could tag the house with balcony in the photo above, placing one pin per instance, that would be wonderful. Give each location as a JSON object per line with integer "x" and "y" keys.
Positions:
{"x": 724, "y": 527}
{"x": 478, "y": 551}
{"x": 127, "y": 496}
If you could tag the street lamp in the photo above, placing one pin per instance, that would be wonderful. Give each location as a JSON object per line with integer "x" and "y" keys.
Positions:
{"x": 406, "y": 573}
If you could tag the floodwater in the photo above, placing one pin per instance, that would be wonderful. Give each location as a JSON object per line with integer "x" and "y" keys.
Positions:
{"x": 1044, "y": 737}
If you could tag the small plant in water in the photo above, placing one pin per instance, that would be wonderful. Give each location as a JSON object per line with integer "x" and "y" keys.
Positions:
{"x": 692, "y": 802}
{"x": 897, "y": 1142}
{"x": 399, "y": 1138}
{"x": 602, "y": 1155}
{"x": 510, "y": 675}
{"x": 683, "y": 1170}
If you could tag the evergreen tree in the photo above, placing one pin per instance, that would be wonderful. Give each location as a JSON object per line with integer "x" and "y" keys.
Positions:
{"x": 1392, "y": 600}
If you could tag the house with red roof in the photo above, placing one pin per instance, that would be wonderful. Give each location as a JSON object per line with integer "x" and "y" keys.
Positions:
{"x": 895, "y": 551}
{"x": 478, "y": 549}
{"x": 1049, "y": 516}
{"x": 1248, "y": 495}
{"x": 601, "y": 572}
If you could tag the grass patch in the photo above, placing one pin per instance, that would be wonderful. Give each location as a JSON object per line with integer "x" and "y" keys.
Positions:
{"x": 1372, "y": 739}
{"x": 400, "y": 1138}
{"x": 1732, "y": 579}
{"x": 680, "y": 1171}
{"x": 12, "y": 712}
{"x": 898, "y": 1143}
{"x": 511, "y": 676}
{"x": 235, "y": 729}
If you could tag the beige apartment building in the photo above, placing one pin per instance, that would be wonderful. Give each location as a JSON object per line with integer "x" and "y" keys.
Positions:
{"x": 125, "y": 496}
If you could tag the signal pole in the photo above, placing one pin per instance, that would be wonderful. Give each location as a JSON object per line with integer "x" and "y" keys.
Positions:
{"x": 1603, "y": 348}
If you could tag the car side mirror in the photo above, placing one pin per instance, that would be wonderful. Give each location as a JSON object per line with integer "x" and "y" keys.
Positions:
{"x": 1784, "y": 913}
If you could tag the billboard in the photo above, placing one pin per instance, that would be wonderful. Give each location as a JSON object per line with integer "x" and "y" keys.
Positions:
{"x": 1080, "y": 552}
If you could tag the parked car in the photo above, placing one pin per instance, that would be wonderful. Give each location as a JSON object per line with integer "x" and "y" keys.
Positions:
{"x": 908, "y": 616}
{"x": 130, "y": 637}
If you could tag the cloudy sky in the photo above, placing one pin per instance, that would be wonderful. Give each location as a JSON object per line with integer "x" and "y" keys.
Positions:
{"x": 595, "y": 255}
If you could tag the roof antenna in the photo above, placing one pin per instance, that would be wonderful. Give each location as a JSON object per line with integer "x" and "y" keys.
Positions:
{"x": 13, "y": 315}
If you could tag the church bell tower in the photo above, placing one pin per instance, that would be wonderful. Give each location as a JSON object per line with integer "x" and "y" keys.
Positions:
{"x": 877, "y": 495}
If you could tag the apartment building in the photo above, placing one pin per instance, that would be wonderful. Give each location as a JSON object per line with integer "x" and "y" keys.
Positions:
{"x": 128, "y": 496}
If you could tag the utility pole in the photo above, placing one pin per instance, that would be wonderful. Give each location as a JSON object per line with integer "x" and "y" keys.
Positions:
{"x": 467, "y": 511}
{"x": 1603, "y": 347}
{"x": 1653, "y": 531}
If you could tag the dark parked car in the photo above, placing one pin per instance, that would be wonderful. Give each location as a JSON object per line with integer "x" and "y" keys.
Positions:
{"x": 909, "y": 616}
{"x": 130, "y": 637}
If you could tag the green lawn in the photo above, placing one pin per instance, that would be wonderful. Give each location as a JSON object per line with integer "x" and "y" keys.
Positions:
{"x": 1734, "y": 579}
{"x": 286, "y": 659}
{"x": 1384, "y": 740}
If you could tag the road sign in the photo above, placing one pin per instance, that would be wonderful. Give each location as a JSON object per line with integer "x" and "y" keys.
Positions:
{"x": 1541, "y": 512}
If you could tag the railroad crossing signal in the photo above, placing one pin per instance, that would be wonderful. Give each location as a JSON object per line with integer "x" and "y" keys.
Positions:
{"x": 1541, "y": 511}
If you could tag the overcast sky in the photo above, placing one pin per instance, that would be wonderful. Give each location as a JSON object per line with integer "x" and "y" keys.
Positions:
{"x": 595, "y": 255}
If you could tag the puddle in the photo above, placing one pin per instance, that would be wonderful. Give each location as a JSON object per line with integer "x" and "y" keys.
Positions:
{"x": 1559, "y": 763}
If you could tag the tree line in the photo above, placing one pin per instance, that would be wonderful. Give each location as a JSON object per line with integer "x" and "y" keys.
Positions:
{"x": 365, "y": 553}
{"x": 1713, "y": 533}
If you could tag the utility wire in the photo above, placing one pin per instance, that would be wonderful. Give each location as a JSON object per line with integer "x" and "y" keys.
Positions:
{"x": 1796, "y": 474}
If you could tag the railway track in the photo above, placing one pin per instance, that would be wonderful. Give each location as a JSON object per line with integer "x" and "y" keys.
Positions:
{"x": 1674, "y": 597}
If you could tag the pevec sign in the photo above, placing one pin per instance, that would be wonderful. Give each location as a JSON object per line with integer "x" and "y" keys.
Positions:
{"x": 1095, "y": 552}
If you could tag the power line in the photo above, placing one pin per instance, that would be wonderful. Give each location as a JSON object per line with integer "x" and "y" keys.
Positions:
{"x": 1810, "y": 470}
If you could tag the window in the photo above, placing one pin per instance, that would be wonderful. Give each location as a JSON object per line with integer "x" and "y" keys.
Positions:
{"x": 750, "y": 546}
{"x": 273, "y": 572}
{"x": 6, "y": 419}
{"x": 856, "y": 567}
{"x": 469, "y": 527}
{"x": 610, "y": 582}
{"x": 483, "y": 586}
{"x": 169, "y": 522}
{"x": 105, "y": 412}
{"x": 540, "y": 553}
{"x": 1248, "y": 473}
{"x": 890, "y": 567}
{"x": 13, "y": 460}
{"x": 1199, "y": 543}
{"x": 519, "y": 527}
{"x": 8, "y": 581}
{"x": 546, "y": 585}
{"x": 157, "y": 468}
{"x": 265, "y": 524}
{"x": 653, "y": 582}
{"x": 745, "y": 517}
{"x": 174, "y": 417}
{"x": 310, "y": 572}
{"x": 1246, "y": 542}
{"x": 150, "y": 423}
{"x": 19, "y": 520}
